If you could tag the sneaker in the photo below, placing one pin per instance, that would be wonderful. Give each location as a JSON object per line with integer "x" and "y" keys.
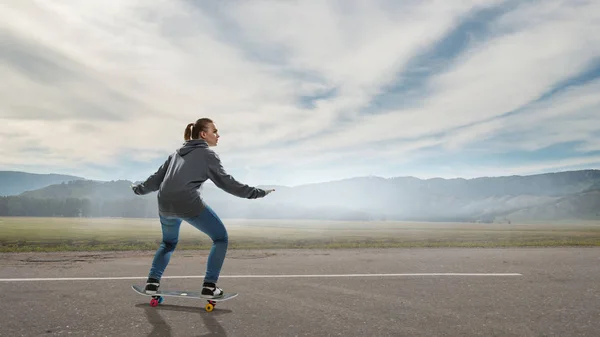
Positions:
{"x": 152, "y": 285}
{"x": 210, "y": 290}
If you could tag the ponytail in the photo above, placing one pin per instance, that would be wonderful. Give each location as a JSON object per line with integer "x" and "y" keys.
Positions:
{"x": 187, "y": 134}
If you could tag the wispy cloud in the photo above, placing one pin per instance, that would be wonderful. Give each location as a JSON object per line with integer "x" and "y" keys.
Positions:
{"x": 301, "y": 91}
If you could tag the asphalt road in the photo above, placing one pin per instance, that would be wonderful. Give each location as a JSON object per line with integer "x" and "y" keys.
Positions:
{"x": 492, "y": 292}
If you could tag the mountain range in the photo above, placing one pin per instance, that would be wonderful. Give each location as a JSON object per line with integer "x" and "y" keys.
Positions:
{"x": 542, "y": 197}
{"x": 15, "y": 182}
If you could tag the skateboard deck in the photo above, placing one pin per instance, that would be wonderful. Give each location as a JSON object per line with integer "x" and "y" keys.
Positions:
{"x": 157, "y": 298}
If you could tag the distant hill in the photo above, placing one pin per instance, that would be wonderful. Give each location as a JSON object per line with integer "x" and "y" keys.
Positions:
{"x": 83, "y": 189}
{"x": 15, "y": 182}
{"x": 551, "y": 196}
{"x": 584, "y": 205}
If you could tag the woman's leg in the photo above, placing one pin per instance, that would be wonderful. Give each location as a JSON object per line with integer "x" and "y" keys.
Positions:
{"x": 170, "y": 237}
{"x": 210, "y": 223}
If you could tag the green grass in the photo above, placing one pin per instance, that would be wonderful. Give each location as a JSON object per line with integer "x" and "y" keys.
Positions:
{"x": 20, "y": 234}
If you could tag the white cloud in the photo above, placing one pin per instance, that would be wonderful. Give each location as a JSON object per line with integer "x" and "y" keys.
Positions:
{"x": 500, "y": 74}
{"x": 91, "y": 82}
{"x": 568, "y": 116}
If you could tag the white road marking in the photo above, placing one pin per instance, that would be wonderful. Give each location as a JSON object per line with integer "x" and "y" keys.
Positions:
{"x": 250, "y": 276}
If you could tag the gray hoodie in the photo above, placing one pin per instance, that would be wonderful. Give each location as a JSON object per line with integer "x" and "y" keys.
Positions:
{"x": 183, "y": 173}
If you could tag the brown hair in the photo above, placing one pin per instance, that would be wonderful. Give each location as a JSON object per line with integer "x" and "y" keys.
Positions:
{"x": 192, "y": 130}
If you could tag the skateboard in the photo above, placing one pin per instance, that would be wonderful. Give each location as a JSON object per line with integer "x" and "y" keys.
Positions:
{"x": 158, "y": 297}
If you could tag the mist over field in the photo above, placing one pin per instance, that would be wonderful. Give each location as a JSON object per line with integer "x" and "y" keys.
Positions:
{"x": 561, "y": 196}
{"x": 89, "y": 234}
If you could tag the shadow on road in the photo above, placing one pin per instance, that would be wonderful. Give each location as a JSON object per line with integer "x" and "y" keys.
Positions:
{"x": 162, "y": 328}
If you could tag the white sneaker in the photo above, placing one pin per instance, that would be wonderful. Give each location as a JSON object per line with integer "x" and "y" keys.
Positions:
{"x": 210, "y": 290}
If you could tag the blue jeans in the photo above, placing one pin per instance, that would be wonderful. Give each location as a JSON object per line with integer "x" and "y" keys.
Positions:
{"x": 207, "y": 222}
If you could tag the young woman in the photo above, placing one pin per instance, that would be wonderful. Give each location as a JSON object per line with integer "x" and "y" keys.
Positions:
{"x": 177, "y": 182}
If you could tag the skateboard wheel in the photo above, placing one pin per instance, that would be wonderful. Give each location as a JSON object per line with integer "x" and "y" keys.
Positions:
{"x": 209, "y": 307}
{"x": 153, "y": 302}
{"x": 161, "y": 299}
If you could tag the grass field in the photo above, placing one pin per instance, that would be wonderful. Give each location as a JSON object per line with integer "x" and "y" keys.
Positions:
{"x": 83, "y": 234}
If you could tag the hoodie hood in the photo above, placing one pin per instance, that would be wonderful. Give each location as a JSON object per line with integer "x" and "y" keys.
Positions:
{"x": 191, "y": 145}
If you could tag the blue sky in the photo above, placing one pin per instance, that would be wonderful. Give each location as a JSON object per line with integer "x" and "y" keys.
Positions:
{"x": 305, "y": 91}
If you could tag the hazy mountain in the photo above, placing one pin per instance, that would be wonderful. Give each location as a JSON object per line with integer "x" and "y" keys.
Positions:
{"x": 563, "y": 195}
{"x": 84, "y": 189}
{"x": 447, "y": 199}
{"x": 14, "y": 182}
{"x": 584, "y": 205}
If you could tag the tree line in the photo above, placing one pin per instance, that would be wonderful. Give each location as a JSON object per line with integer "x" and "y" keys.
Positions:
{"x": 137, "y": 207}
